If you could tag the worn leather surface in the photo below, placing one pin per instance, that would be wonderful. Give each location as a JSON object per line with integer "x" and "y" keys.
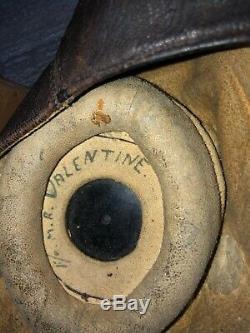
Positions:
{"x": 216, "y": 89}
{"x": 108, "y": 38}
{"x": 11, "y": 320}
{"x": 11, "y": 95}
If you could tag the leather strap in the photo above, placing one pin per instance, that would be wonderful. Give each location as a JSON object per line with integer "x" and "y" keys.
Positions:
{"x": 109, "y": 38}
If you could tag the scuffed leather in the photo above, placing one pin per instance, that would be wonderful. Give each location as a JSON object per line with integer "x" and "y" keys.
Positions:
{"x": 108, "y": 38}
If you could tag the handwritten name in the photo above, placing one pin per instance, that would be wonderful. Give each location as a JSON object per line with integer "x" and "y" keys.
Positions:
{"x": 78, "y": 163}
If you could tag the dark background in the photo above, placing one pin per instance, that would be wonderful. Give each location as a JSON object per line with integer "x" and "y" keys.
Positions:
{"x": 30, "y": 31}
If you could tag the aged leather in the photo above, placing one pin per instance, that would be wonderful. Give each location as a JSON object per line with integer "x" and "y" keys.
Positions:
{"x": 216, "y": 88}
{"x": 109, "y": 38}
{"x": 11, "y": 95}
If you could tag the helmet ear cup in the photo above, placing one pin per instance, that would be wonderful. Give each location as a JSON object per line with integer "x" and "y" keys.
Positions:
{"x": 169, "y": 162}
{"x": 125, "y": 202}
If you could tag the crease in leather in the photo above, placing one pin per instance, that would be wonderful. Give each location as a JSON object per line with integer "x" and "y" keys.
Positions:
{"x": 216, "y": 88}
{"x": 108, "y": 38}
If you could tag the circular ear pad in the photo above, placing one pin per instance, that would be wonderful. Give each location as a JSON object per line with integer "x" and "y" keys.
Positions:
{"x": 103, "y": 218}
{"x": 120, "y": 194}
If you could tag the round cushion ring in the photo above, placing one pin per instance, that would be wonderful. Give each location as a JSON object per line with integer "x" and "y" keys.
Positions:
{"x": 124, "y": 136}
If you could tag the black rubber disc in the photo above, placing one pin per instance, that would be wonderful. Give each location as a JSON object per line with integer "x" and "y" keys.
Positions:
{"x": 104, "y": 219}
